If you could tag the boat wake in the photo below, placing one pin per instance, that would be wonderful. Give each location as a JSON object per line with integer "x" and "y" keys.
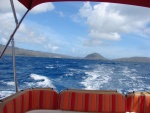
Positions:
{"x": 120, "y": 78}
{"x": 98, "y": 77}
{"x": 63, "y": 74}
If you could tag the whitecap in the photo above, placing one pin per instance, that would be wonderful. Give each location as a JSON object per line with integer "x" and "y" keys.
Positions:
{"x": 40, "y": 81}
{"x": 10, "y": 83}
{"x": 50, "y": 67}
{"x": 4, "y": 94}
{"x": 69, "y": 74}
{"x": 86, "y": 66}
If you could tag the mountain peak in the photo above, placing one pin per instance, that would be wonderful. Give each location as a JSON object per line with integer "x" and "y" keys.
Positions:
{"x": 95, "y": 56}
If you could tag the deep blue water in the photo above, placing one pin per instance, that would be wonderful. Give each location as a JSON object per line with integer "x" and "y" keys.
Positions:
{"x": 72, "y": 73}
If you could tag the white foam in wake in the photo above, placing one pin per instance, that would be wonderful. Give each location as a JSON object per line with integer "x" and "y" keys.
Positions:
{"x": 11, "y": 83}
{"x": 4, "y": 94}
{"x": 97, "y": 77}
{"x": 69, "y": 74}
{"x": 40, "y": 81}
{"x": 50, "y": 67}
{"x": 132, "y": 81}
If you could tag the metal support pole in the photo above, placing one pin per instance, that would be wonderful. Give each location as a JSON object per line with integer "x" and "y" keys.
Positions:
{"x": 13, "y": 47}
{"x": 12, "y": 38}
{"x": 14, "y": 64}
{"x": 14, "y": 12}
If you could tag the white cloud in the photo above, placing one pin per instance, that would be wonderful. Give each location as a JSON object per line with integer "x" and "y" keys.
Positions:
{"x": 86, "y": 10}
{"x": 43, "y": 8}
{"x": 92, "y": 42}
{"x": 110, "y": 36}
{"x": 6, "y": 7}
{"x": 109, "y": 21}
{"x": 3, "y": 40}
{"x": 27, "y": 33}
{"x": 7, "y": 25}
{"x": 52, "y": 47}
{"x": 35, "y": 34}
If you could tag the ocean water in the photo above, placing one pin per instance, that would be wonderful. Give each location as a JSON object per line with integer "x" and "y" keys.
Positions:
{"x": 73, "y": 73}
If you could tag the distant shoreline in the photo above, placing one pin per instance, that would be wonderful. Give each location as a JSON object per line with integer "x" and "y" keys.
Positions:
{"x": 93, "y": 56}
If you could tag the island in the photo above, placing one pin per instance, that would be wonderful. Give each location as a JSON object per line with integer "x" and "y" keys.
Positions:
{"x": 92, "y": 56}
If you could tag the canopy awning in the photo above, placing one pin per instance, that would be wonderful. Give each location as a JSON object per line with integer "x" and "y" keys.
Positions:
{"x": 29, "y": 4}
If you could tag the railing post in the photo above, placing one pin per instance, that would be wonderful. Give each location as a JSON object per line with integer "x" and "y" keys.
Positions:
{"x": 13, "y": 47}
{"x": 14, "y": 64}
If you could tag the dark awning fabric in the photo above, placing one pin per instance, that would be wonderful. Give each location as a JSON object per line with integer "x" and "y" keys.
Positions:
{"x": 29, "y": 4}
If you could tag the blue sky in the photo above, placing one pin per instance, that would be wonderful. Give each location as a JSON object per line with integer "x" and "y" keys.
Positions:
{"x": 80, "y": 28}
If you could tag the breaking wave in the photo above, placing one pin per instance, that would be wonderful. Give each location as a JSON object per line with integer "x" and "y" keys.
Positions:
{"x": 40, "y": 81}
